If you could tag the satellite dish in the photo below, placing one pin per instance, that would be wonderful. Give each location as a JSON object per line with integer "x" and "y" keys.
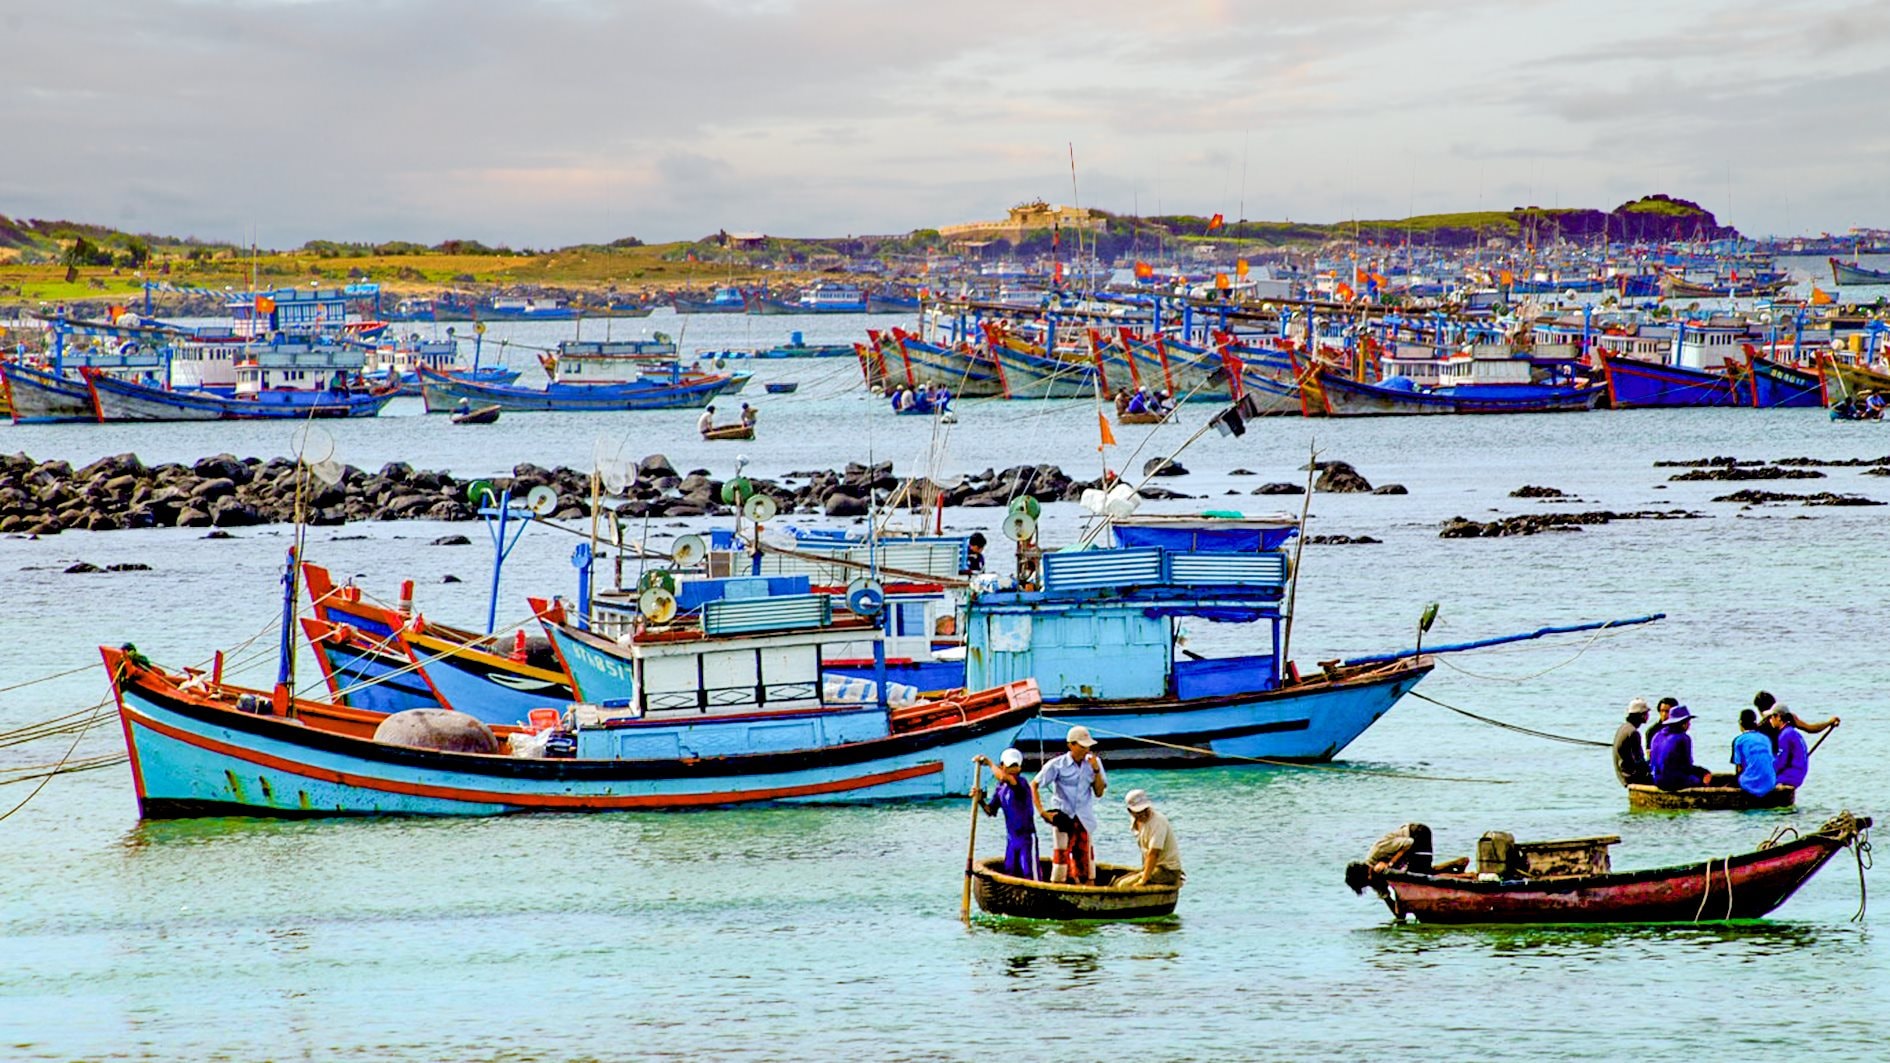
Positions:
{"x": 657, "y": 605}
{"x": 865, "y": 597}
{"x": 760, "y": 509}
{"x": 541, "y": 500}
{"x": 1021, "y": 527}
{"x": 480, "y": 493}
{"x": 1027, "y": 505}
{"x": 688, "y": 550}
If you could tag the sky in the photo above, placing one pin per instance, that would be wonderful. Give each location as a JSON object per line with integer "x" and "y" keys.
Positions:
{"x": 538, "y": 123}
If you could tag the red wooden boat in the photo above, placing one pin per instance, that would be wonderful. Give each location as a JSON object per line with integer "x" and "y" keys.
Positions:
{"x": 1717, "y": 889}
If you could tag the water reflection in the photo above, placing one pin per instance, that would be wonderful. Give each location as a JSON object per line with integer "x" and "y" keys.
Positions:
{"x": 1396, "y": 945}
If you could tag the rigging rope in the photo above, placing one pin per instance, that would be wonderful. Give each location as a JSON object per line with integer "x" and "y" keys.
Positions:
{"x": 1510, "y": 726}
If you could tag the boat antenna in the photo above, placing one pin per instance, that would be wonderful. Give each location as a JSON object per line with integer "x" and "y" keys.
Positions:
{"x": 1299, "y": 548}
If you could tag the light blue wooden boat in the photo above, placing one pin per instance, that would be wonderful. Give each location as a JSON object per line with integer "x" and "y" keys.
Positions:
{"x": 209, "y": 749}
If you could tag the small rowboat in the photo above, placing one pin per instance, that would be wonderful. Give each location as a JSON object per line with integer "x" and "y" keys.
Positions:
{"x": 1144, "y": 418}
{"x": 1008, "y": 895}
{"x": 1717, "y": 889}
{"x": 782, "y": 387}
{"x": 1643, "y": 798}
{"x": 731, "y": 431}
{"x": 479, "y": 415}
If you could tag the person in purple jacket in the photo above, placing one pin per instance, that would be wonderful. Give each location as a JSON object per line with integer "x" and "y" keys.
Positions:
{"x": 1671, "y": 754}
{"x": 1791, "y": 759}
{"x": 1021, "y": 804}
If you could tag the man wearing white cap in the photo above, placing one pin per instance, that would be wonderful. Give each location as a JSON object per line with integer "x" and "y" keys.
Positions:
{"x": 1021, "y": 807}
{"x": 1161, "y": 854}
{"x": 1076, "y": 780}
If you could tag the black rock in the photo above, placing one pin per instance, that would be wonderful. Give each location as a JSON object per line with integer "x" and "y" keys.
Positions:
{"x": 449, "y": 578}
{"x": 128, "y": 566}
{"x": 1338, "y": 477}
{"x": 838, "y": 504}
{"x": 452, "y": 540}
{"x": 1278, "y": 489}
{"x": 1243, "y": 472}
{"x": 83, "y": 566}
{"x": 1390, "y": 489}
{"x": 1532, "y": 491}
{"x": 1163, "y": 467}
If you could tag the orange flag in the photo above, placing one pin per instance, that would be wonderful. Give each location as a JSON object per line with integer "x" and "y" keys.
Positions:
{"x": 1344, "y": 292}
{"x": 1820, "y": 297}
{"x": 1507, "y": 278}
{"x": 1216, "y": 222}
{"x": 265, "y": 305}
{"x": 1108, "y": 436}
{"x": 1240, "y": 268}
{"x": 1220, "y": 280}
{"x": 1143, "y": 271}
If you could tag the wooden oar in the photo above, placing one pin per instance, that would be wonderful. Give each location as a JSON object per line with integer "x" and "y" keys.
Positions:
{"x": 971, "y": 850}
{"x": 1814, "y": 746}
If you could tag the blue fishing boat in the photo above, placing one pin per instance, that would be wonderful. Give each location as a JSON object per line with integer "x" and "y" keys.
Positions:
{"x": 682, "y": 391}
{"x": 1775, "y": 384}
{"x": 721, "y": 301}
{"x": 56, "y": 392}
{"x": 280, "y": 380}
{"x": 202, "y": 748}
{"x": 1633, "y": 383}
{"x": 963, "y": 368}
{"x": 1843, "y": 273}
{"x": 819, "y": 299}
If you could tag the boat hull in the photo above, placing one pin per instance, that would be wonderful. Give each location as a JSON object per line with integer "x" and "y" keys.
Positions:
{"x": 42, "y": 398}
{"x": 1341, "y": 396}
{"x": 443, "y": 395}
{"x": 1714, "y": 890}
{"x": 1774, "y": 384}
{"x": 1634, "y": 384}
{"x": 192, "y": 755}
{"x": 120, "y": 400}
{"x": 1017, "y": 898}
{"x": 1707, "y": 799}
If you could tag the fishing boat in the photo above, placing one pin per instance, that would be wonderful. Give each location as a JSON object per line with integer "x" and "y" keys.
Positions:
{"x": 1774, "y": 384}
{"x": 781, "y": 387}
{"x": 56, "y": 392}
{"x": 721, "y": 301}
{"x": 1021, "y": 898}
{"x": 1716, "y": 889}
{"x": 1029, "y": 372}
{"x": 819, "y": 299}
{"x": 730, "y": 431}
{"x": 1333, "y": 394}
{"x": 962, "y": 368}
{"x": 478, "y": 415}
{"x": 203, "y": 748}
{"x": 286, "y": 381}
{"x": 1849, "y": 381}
{"x": 684, "y": 390}
{"x": 1643, "y": 798}
{"x": 1633, "y": 383}
{"x": 1843, "y": 273}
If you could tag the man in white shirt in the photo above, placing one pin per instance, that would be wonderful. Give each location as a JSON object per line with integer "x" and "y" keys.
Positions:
{"x": 705, "y": 422}
{"x": 1076, "y": 780}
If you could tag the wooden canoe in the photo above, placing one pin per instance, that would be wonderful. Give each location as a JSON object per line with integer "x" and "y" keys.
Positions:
{"x": 479, "y": 415}
{"x": 731, "y": 431}
{"x": 1144, "y": 418}
{"x": 1008, "y": 895}
{"x": 1643, "y": 798}
{"x": 1716, "y": 889}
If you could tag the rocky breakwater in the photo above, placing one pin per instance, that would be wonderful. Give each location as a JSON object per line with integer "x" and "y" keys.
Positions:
{"x": 47, "y": 497}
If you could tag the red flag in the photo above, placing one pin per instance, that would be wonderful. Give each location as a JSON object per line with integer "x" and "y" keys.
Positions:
{"x": 1345, "y": 292}
{"x": 1216, "y": 222}
{"x": 1144, "y": 271}
{"x": 1108, "y": 436}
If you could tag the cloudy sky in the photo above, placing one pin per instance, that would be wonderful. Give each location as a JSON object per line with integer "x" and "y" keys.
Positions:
{"x": 560, "y": 121}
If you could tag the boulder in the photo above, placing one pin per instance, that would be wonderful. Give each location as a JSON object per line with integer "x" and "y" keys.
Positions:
{"x": 1339, "y": 478}
{"x": 209, "y": 491}
{"x": 1163, "y": 467}
{"x": 1390, "y": 489}
{"x": 1279, "y": 489}
{"x": 839, "y": 504}
{"x": 192, "y": 517}
{"x": 222, "y": 467}
{"x": 82, "y": 567}
{"x": 452, "y": 540}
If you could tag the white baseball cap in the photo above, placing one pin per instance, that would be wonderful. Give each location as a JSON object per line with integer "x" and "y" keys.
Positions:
{"x": 1011, "y": 758}
{"x": 1137, "y": 800}
{"x": 1080, "y": 735}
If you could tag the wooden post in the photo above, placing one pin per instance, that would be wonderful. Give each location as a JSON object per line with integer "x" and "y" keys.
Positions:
{"x": 971, "y": 849}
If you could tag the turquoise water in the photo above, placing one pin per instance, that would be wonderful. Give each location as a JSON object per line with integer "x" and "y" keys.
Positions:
{"x": 793, "y": 933}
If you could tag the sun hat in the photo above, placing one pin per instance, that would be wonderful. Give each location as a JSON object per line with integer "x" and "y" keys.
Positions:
{"x": 1011, "y": 758}
{"x": 1680, "y": 712}
{"x": 1137, "y": 800}
{"x": 1079, "y": 735}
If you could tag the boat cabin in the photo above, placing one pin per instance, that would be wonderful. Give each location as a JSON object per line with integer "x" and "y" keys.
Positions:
{"x": 291, "y": 366}
{"x": 613, "y": 361}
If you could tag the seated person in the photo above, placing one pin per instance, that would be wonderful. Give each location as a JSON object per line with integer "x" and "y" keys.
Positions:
{"x": 1671, "y": 754}
{"x": 1138, "y": 402}
{"x": 1752, "y": 756}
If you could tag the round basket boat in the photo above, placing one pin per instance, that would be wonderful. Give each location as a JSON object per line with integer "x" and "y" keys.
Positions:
{"x": 1643, "y": 798}
{"x": 1018, "y": 898}
{"x": 732, "y": 431}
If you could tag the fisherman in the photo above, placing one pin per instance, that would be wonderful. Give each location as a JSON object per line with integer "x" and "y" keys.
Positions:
{"x": 1138, "y": 402}
{"x": 1122, "y": 401}
{"x": 1671, "y": 754}
{"x": 1406, "y": 849}
{"x": 1662, "y": 708}
{"x": 465, "y": 406}
{"x": 1076, "y": 780}
{"x": 1791, "y": 759}
{"x": 1630, "y": 755}
{"x": 1752, "y": 756}
{"x": 1021, "y": 804}
{"x": 1161, "y": 403}
{"x": 1161, "y": 853}
{"x": 748, "y": 416}
{"x": 706, "y": 423}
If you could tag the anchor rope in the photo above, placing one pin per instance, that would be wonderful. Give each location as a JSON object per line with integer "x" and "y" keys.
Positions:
{"x": 1518, "y": 728}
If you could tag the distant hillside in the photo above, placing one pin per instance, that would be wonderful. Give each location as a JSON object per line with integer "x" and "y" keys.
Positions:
{"x": 1648, "y": 219}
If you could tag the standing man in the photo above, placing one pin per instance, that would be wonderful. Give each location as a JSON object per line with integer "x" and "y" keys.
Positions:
{"x": 1161, "y": 854}
{"x": 1021, "y": 807}
{"x": 1630, "y": 757}
{"x": 1076, "y": 780}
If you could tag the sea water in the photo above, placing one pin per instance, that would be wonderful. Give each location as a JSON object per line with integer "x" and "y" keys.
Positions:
{"x": 803, "y": 932}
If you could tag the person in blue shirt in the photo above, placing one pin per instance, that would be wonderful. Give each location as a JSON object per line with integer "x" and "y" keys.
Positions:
{"x": 1752, "y": 756}
{"x": 1671, "y": 754}
{"x": 1021, "y": 806}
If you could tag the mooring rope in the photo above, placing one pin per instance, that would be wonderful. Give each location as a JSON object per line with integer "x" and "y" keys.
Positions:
{"x": 1202, "y": 751}
{"x": 1519, "y": 729}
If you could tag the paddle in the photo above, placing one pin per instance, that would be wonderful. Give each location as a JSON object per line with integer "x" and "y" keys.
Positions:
{"x": 971, "y": 850}
{"x": 1828, "y": 732}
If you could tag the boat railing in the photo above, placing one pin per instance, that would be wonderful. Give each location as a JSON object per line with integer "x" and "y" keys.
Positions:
{"x": 1098, "y": 569}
